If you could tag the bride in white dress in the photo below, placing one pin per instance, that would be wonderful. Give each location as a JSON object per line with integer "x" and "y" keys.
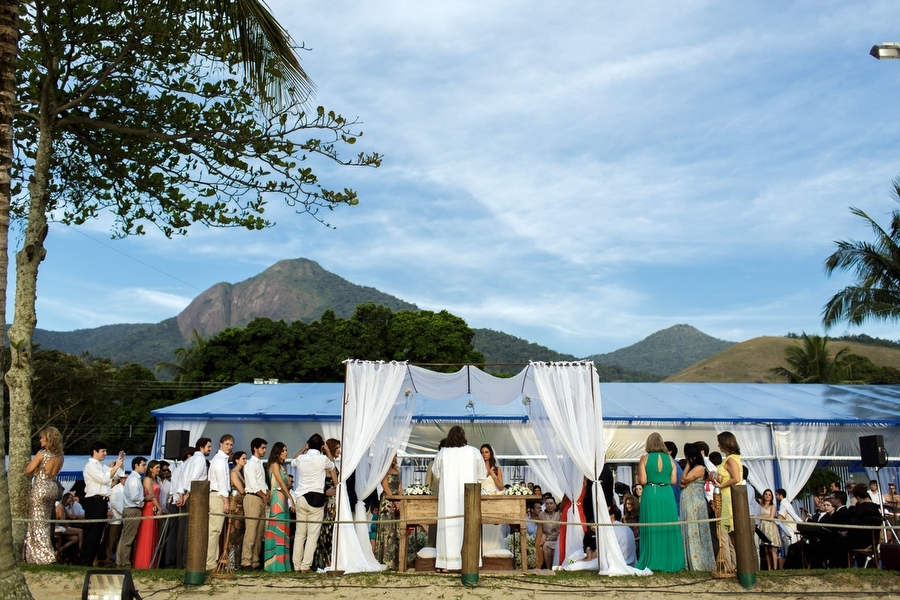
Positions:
{"x": 491, "y": 535}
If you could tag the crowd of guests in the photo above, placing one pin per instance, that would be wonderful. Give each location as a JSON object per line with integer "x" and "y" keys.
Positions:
{"x": 262, "y": 517}
{"x": 257, "y": 513}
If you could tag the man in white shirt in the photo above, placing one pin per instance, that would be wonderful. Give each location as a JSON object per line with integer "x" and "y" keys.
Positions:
{"x": 256, "y": 499}
{"x": 193, "y": 469}
{"x": 116, "y": 506}
{"x": 624, "y": 536}
{"x": 219, "y": 492}
{"x": 133, "y": 503}
{"x": 309, "y": 498}
{"x": 97, "y": 484}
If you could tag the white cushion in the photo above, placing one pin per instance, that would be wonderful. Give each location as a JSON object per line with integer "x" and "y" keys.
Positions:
{"x": 498, "y": 553}
{"x": 427, "y": 553}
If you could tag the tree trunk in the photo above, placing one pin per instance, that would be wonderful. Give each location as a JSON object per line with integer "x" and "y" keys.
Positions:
{"x": 21, "y": 369}
{"x": 12, "y": 583}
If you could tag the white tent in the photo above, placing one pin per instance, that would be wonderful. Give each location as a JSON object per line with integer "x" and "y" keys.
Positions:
{"x": 562, "y": 401}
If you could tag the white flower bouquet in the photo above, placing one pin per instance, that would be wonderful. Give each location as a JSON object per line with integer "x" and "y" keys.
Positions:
{"x": 517, "y": 490}
{"x": 418, "y": 489}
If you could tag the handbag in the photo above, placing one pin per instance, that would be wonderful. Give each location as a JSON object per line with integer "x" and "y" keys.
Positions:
{"x": 315, "y": 499}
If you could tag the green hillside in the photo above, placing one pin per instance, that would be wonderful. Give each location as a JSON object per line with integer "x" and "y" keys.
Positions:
{"x": 750, "y": 361}
{"x": 665, "y": 352}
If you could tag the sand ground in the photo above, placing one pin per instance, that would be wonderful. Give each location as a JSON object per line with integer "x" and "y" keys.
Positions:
{"x": 786, "y": 585}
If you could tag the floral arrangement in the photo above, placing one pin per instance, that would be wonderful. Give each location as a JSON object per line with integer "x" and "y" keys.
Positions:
{"x": 512, "y": 544}
{"x": 418, "y": 489}
{"x": 417, "y": 541}
{"x": 517, "y": 490}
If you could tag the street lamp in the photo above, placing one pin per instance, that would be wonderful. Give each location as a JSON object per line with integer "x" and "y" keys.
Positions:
{"x": 886, "y": 50}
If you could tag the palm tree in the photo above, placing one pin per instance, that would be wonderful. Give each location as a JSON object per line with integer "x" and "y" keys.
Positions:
{"x": 876, "y": 292}
{"x": 809, "y": 362}
{"x": 261, "y": 40}
{"x": 184, "y": 358}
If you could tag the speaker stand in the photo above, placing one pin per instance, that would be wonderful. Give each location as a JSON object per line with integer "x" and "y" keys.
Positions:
{"x": 885, "y": 522}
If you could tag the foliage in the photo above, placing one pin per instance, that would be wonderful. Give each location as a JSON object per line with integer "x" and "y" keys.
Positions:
{"x": 513, "y": 545}
{"x": 809, "y": 362}
{"x": 417, "y": 541}
{"x": 875, "y": 293}
{"x": 302, "y": 352}
{"x": 869, "y": 341}
{"x": 865, "y": 371}
{"x": 87, "y": 398}
{"x": 165, "y": 134}
{"x": 820, "y": 477}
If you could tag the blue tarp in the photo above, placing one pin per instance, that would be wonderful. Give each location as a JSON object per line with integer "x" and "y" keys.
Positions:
{"x": 622, "y": 402}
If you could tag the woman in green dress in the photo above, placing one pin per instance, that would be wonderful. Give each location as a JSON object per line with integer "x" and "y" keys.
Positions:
{"x": 662, "y": 548}
{"x": 277, "y": 545}
{"x": 387, "y": 541}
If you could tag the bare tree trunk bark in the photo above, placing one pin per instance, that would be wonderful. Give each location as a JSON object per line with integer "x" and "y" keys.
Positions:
{"x": 21, "y": 370}
{"x": 12, "y": 583}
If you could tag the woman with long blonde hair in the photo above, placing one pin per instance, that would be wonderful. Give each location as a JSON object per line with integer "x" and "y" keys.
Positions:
{"x": 45, "y": 466}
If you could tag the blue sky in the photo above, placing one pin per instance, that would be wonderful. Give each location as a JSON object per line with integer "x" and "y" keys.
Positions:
{"x": 578, "y": 174}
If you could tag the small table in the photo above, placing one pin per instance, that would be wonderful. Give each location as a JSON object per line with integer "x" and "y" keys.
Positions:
{"x": 503, "y": 510}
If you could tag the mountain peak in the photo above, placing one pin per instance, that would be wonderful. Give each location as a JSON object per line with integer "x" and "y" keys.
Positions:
{"x": 296, "y": 289}
{"x": 665, "y": 352}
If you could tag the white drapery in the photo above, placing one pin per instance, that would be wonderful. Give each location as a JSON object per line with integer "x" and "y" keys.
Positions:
{"x": 373, "y": 396}
{"x": 379, "y": 399}
{"x": 755, "y": 439}
{"x": 792, "y": 442}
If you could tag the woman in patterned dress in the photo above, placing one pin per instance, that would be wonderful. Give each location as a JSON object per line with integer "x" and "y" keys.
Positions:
{"x": 387, "y": 542}
{"x": 698, "y": 548}
{"x": 277, "y": 545}
{"x": 322, "y": 557}
{"x": 45, "y": 466}
{"x": 236, "y": 509}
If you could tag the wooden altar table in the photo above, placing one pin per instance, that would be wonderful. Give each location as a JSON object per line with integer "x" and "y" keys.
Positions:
{"x": 422, "y": 510}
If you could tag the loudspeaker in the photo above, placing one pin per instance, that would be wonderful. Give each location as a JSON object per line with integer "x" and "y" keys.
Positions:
{"x": 176, "y": 441}
{"x": 871, "y": 451}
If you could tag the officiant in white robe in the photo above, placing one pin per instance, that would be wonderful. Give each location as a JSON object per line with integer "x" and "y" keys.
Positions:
{"x": 456, "y": 465}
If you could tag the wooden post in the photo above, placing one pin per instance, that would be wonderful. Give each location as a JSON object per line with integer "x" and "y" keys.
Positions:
{"x": 744, "y": 549}
{"x": 471, "y": 548}
{"x": 198, "y": 534}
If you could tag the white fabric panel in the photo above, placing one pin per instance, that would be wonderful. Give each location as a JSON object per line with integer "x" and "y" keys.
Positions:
{"x": 568, "y": 399}
{"x": 755, "y": 441}
{"x": 372, "y": 392}
{"x": 797, "y": 440}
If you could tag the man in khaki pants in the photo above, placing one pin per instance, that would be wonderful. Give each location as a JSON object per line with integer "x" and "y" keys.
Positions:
{"x": 256, "y": 502}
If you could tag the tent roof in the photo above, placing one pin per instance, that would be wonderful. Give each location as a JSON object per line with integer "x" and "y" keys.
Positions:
{"x": 623, "y": 402}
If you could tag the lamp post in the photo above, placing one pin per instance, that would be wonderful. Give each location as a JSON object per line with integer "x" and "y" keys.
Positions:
{"x": 886, "y": 50}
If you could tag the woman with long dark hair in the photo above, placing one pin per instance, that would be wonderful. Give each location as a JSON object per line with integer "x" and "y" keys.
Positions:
{"x": 729, "y": 473}
{"x": 277, "y": 545}
{"x": 698, "y": 548}
{"x": 236, "y": 524}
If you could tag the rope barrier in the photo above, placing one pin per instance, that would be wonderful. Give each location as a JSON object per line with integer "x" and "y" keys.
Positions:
{"x": 504, "y": 518}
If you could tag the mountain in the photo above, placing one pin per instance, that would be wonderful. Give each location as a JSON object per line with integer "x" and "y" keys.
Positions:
{"x": 665, "y": 352}
{"x": 291, "y": 290}
{"x": 750, "y": 361}
{"x": 300, "y": 289}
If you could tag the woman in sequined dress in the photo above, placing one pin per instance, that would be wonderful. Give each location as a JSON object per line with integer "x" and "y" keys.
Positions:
{"x": 45, "y": 466}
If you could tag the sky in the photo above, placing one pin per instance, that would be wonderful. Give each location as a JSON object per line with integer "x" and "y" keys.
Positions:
{"x": 577, "y": 174}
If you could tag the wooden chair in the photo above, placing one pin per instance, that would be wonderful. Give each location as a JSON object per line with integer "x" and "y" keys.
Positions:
{"x": 870, "y": 552}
